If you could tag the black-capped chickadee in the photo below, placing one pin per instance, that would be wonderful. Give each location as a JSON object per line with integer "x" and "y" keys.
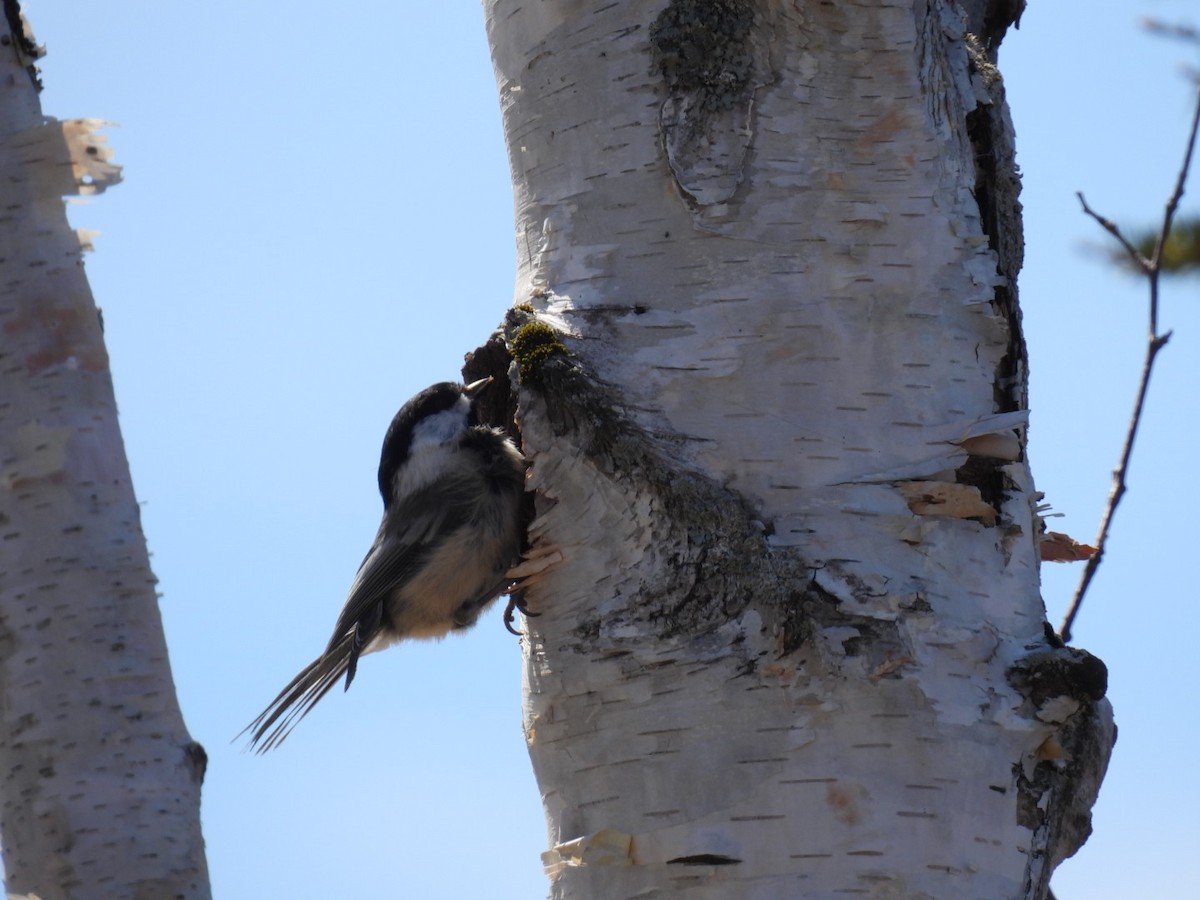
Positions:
{"x": 452, "y": 527}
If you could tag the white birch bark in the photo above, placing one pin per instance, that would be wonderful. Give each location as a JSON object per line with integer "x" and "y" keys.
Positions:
{"x": 796, "y": 644}
{"x": 99, "y": 780}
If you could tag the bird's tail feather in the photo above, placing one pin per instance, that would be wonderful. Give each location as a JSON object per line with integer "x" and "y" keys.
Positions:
{"x": 284, "y": 713}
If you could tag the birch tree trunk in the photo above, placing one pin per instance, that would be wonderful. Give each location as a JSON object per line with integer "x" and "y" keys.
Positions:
{"x": 99, "y": 780}
{"x": 773, "y": 388}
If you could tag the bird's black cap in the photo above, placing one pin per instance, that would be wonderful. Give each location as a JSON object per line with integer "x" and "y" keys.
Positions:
{"x": 398, "y": 440}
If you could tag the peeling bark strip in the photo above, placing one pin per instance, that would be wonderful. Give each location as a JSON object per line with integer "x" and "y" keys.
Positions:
{"x": 772, "y": 387}
{"x": 99, "y": 780}
{"x": 951, "y": 52}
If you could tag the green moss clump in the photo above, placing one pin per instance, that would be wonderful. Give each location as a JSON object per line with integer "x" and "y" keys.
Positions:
{"x": 534, "y": 344}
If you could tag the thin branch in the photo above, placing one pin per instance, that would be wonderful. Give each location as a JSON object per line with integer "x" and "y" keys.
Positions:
{"x": 1143, "y": 265}
{"x": 1171, "y": 29}
{"x": 1152, "y": 269}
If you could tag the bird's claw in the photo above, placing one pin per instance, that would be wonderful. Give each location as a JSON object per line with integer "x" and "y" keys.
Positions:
{"x": 524, "y": 575}
{"x": 516, "y": 602}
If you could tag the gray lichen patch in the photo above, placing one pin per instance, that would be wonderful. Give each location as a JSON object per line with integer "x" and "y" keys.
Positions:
{"x": 709, "y": 576}
{"x": 712, "y": 56}
{"x": 704, "y": 49}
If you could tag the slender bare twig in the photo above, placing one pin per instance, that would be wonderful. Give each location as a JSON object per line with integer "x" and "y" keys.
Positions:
{"x": 1172, "y": 29}
{"x": 1140, "y": 262}
{"x": 1151, "y": 268}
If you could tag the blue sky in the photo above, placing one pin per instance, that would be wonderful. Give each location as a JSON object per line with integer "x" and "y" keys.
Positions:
{"x": 317, "y": 222}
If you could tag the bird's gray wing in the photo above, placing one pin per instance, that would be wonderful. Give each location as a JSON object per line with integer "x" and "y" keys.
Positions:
{"x": 403, "y": 544}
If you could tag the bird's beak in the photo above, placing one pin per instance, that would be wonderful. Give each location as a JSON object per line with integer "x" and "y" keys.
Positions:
{"x": 476, "y": 386}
